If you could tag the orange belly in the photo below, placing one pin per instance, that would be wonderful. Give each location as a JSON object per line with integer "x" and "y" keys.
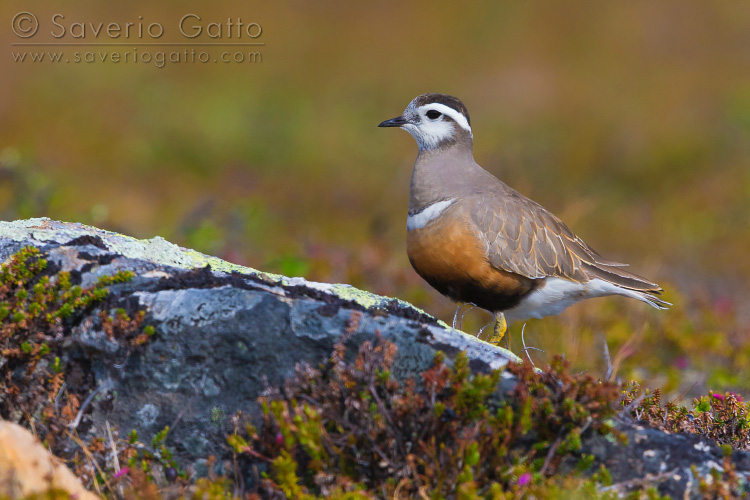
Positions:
{"x": 448, "y": 255}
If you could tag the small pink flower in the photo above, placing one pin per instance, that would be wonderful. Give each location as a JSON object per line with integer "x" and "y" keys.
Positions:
{"x": 737, "y": 397}
{"x": 524, "y": 479}
{"x": 279, "y": 438}
{"x": 718, "y": 396}
{"x": 121, "y": 472}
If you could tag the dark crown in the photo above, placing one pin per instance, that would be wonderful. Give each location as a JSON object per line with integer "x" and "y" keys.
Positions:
{"x": 445, "y": 99}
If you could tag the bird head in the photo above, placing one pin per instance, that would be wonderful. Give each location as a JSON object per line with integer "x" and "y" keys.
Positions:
{"x": 435, "y": 121}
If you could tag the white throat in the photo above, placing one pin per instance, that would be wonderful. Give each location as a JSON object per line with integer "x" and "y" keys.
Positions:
{"x": 430, "y": 135}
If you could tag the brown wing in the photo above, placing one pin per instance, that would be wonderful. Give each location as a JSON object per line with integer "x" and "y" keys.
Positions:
{"x": 524, "y": 238}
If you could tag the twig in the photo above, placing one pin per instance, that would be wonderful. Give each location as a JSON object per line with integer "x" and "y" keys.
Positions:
{"x": 484, "y": 328}
{"x": 627, "y": 349}
{"x": 525, "y": 348}
{"x": 397, "y": 491}
{"x": 682, "y": 394}
{"x": 120, "y": 366}
{"x": 57, "y": 398}
{"x": 633, "y": 404}
{"x": 586, "y": 425}
{"x": 384, "y": 411}
{"x": 115, "y": 459}
{"x": 350, "y": 426}
{"x": 461, "y": 321}
{"x": 455, "y": 315}
{"x": 180, "y": 415}
{"x": 254, "y": 453}
{"x": 92, "y": 461}
{"x": 551, "y": 452}
{"x": 239, "y": 482}
{"x": 383, "y": 455}
{"x": 607, "y": 359}
{"x": 107, "y": 385}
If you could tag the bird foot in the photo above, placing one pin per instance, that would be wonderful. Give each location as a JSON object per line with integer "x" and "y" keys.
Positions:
{"x": 499, "y": 332}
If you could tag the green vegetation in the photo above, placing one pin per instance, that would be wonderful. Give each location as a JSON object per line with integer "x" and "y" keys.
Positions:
{"x": 721, "y": 417}
{"x": 353, "y": 428}
{"x": 349, "y": 430}
{"x": 41, "y": 385}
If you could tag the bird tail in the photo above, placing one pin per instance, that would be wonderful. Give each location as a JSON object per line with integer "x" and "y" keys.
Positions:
{"x": 630, "y": 285}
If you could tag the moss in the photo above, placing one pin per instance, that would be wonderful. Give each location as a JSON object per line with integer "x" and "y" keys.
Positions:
{"x": 365, "y": 299}
{"x": 201, "y": 260}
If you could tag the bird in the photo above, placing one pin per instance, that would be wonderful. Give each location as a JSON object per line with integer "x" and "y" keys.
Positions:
{"x": 478, "y": 241}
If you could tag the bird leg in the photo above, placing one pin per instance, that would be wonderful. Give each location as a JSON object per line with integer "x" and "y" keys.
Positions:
{"x": 501, "y": 327}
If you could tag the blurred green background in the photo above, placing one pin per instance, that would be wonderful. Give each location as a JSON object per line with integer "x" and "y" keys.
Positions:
{"x": 628, "y": 120}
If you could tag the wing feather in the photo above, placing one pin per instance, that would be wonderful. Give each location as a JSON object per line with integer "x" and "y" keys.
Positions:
{"x": 524, "y": 238}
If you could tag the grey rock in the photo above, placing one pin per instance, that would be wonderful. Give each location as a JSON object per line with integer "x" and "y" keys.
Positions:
{"x": 661, "y": 459}
{"x": 224, "y": 333}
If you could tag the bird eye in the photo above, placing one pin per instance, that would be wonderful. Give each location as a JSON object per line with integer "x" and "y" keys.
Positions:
{"x": 433, "y": 115}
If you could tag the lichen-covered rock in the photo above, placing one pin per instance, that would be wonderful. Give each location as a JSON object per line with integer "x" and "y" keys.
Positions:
{"x": 223, "y": 333}
{"x": 675, "y": 464}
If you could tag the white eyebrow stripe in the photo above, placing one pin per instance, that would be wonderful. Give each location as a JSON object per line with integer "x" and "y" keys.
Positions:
{"x": 447, "y": 110}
